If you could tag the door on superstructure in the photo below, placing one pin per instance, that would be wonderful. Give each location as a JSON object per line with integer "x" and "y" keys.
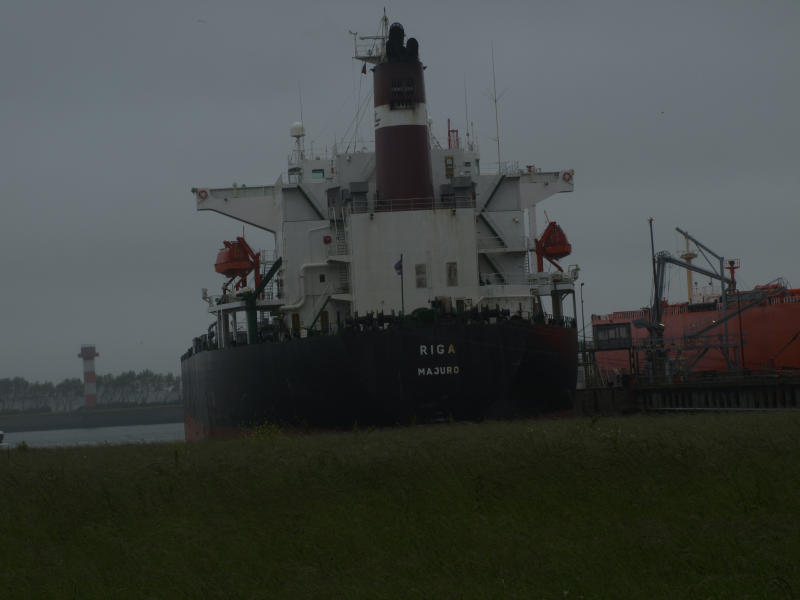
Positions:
{"x": 295, "y": 325}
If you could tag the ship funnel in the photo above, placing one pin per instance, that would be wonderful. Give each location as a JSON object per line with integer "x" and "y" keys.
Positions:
{"x": 402, "y": 144}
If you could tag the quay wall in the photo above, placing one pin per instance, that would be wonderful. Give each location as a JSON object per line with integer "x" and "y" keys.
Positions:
{"x": 724, "y": 394}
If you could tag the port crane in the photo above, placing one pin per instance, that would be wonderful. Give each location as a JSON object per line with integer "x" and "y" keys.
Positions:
{"x": 695, "y": 339}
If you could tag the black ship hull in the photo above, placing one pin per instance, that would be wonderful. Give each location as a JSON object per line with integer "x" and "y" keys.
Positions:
{"x": 399, "y": 375}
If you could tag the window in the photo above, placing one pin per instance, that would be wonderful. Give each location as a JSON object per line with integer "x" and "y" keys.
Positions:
{"x": 448, "y": 166}
{"x": 613, "y": 336}
{"x": 452, "y": 274}
{"x": 317, "y": 173}
{"x": 322, "y": 277}
{"x": 421, "y": 272}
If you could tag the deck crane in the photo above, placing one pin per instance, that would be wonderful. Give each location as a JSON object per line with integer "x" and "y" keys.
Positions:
{"x": 250, "y": 298}
{"x": 655, "y": 325}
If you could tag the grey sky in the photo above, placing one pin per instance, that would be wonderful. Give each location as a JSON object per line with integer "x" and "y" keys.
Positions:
{"x": 111, "y": 111}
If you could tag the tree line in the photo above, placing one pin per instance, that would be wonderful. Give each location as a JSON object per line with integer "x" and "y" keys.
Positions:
{"x": 17, "y": 394}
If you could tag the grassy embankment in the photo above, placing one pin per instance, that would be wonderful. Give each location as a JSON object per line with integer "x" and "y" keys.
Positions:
{"x": 660, "y": 507}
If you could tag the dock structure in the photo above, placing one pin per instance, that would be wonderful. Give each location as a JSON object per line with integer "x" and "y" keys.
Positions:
{"x": 734, "y": 393}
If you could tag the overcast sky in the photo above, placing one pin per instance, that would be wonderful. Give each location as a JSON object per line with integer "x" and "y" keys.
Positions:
{"x": 111, "y": 111}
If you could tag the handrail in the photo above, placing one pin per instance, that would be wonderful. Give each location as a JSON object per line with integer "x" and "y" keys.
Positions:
{"x": 491, "y": 242}
{"x": 403, "y": 204}
{"x": 501, "y": 168}
{"x": 506, "y": 278}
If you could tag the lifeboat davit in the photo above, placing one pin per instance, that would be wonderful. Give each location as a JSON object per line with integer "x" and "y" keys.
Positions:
{"x": 236, "y": 259}
{"x": 553, "y": 245}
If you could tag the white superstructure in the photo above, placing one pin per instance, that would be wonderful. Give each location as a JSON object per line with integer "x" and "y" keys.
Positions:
{"x": 474, "y": 246}
{"x": 343, "y": 244}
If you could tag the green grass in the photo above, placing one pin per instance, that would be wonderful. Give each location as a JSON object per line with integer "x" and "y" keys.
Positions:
{"x": 699, "y": 506}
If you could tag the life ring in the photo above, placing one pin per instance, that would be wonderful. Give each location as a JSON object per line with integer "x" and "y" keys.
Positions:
{"x": 202, "y": 194}
{"x": 567, "y": 177}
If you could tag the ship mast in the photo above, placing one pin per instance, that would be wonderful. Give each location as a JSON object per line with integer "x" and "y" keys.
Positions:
{"x": 496, "y": 116}
{"x": 688, "y": 256}
{"x": 374, "y": 52}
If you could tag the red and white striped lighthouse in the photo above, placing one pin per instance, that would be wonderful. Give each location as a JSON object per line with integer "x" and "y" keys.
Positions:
{"x": 402, "y": 144}
{"x": 88, "y": 354}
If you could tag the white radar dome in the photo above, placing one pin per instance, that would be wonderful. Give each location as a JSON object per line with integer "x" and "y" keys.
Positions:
{"x": 297, "y": 130}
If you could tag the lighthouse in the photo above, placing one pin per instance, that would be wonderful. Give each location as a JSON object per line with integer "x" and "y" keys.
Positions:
{"x": 88, "y": 354}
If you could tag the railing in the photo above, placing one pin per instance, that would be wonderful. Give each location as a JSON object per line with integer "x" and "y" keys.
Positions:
{"x": 557, "y": 280}
{"x": 338, "y": 249}
{"x": 403, "y": 204}
{"x": 682, "y": 343}
{"x": 342, "y": 284}
{"x": 492, "y": 242}
{"x": 267, "y": 256}
{"x": 504, "y": 278}
{"x": 488, "y": 242}
{"x": 360, "y": 145}
{"x": 501, "y": 168}
{"x": 544, "y": 318}
{"x": 270, "y": 292}
{"x": 295, "y": 162}
{"x": 339, "y": 213}
{"x": 380, "y": 321}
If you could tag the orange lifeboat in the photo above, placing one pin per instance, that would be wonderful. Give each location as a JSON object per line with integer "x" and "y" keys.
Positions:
{"x": 237, "y": 259}
{"x": 552, "y": 246}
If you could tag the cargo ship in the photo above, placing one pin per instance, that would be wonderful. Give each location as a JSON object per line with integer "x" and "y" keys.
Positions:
{"x": 407, "y": 282}
{"x": 719, "y": 330}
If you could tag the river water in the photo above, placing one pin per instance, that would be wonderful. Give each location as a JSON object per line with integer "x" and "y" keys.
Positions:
{"x": 128, "y": 434}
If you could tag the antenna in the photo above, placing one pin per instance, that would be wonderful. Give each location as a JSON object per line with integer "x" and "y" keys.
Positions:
{"x": 496, "y": 117}
{"x": 472, "y": 125}
{"x": 300, "y": 93}
{"x": 688, "y": 256}
{"x": 653, "y": 253}
{"x": 358, "y": 114}
{"x": 466, "y": 113}
{"x": 355, "y": 43}
{"x": 357, "y": 96}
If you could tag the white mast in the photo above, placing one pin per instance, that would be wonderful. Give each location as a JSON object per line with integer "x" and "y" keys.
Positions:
{"x": 496, "y": 117}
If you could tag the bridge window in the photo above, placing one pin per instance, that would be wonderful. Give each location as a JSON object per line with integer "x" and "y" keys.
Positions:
{"x": 612, "y": 336}
{"x": 452, "y": 274}
{"x": 421, "y": 272}
{"x": 449, "y": 165}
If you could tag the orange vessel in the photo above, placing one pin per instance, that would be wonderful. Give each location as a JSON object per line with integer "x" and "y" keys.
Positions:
{"x": 731, "y": 331}
{"x": 764, "y": 321}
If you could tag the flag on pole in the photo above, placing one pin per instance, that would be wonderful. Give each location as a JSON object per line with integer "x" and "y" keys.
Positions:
{"x": 398, "y": 266}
